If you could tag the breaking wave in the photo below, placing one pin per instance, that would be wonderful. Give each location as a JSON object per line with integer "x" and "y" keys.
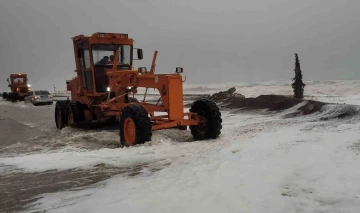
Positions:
{"x": 332, "y": 111}
{"x": 326, "y": 112}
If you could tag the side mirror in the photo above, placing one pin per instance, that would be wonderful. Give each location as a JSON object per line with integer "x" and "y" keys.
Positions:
{"x": 139, "y": 54}
{"x": 179, "y": 70}
{"x": 7, "y": 79}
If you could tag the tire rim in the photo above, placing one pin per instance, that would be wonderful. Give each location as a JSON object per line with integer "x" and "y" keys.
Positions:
{"x": 129, "y": 131}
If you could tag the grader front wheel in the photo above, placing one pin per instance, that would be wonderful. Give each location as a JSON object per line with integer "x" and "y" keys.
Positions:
{"x": 210, "y": 120}
{"x": 129, "y": 131}
{"x": 135, "y": 126}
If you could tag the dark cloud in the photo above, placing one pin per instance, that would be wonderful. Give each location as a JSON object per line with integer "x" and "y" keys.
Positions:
{"x": 215, "y": 41}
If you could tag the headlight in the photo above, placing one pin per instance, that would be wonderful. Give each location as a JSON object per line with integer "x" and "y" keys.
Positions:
{"x": 108, "y": 89}
{"x": 29, "y": 85}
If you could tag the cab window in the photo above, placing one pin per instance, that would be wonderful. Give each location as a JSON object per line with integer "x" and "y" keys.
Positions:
{"x": 103, "y": 54}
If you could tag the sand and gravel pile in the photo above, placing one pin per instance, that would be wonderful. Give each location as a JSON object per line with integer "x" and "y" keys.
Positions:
{"x": 229, "y": 99}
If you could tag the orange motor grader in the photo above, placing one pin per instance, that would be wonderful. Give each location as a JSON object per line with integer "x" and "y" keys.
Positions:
{"x": 105, "y": 80}
{"x": 18, "y": 84}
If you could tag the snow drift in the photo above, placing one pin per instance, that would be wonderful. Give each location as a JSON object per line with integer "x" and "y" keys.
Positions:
{"x": 275, "y": 154}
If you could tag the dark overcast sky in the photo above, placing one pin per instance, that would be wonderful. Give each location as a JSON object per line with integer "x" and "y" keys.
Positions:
{"x": 215, "y": 41}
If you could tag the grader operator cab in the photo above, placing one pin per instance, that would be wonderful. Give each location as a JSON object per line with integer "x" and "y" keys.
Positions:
{"x": 19, "y": 87}
{"x": 105, "y": 78}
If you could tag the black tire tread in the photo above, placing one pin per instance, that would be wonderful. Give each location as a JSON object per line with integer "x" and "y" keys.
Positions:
{"x": 141, "y": 120}
{"x": 77, "y": 110}
{"x": 61, "y": 105}
{"x": 213, "y": 115}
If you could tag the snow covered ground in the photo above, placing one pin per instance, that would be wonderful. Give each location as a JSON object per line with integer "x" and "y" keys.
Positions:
{"x": 261, "y": 163}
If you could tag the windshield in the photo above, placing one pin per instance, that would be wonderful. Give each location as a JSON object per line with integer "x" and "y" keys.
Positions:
{"x": 42, "y": 93}
{"x": 104, "y": 54}
{"x": 19, "y": 80}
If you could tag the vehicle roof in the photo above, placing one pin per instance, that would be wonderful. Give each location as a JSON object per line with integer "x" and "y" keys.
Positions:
{"x": 19, "y": 75}
{"x": 106, "y": 38}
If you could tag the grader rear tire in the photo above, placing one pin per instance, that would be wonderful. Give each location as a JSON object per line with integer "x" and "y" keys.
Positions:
{"x": 135, "y": 126}
{"x": 60, "y": 115}
{"x": 74, "y": 113}
{"x": 211, "y": 126}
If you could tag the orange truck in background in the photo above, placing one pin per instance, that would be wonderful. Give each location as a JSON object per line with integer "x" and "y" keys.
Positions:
{"x": 19, "y": 87}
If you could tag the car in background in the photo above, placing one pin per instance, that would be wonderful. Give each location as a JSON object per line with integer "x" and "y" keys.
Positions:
{"x": 38, "y": 97}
